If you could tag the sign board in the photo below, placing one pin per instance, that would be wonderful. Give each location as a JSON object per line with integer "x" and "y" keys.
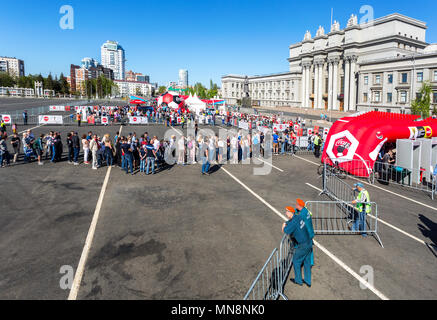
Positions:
{"x": 6, "y": 118}
{"x": 138, "y": 120}
{"x": 310, "y": 131}
{"x": 57, "y": 108}
{"x": 105, "y": 120}
{"x": 44, "y": 119}
{"x": 243, "y": 125}
{"x": 279, "y": 127}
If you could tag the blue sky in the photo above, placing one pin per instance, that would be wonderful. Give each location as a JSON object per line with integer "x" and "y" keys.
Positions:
{"x": 209, "y": 38}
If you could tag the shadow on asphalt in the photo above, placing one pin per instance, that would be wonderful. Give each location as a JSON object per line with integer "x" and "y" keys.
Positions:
{"x": 429, "y": 230}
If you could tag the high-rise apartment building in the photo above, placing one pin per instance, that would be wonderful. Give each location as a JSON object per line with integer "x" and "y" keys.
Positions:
{"x": 183, "y": 78}
{"x": 13, "y": 66}
{"x": 113, "y": 57}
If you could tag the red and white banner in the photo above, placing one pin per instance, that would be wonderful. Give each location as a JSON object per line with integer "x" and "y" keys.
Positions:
{"x": 51, "y": 120}
{"x": 57, "y": 108}
{"x": 310, "y": 131}
{"x": 138, "y": 120}
{"x": 325, "y": 132}
{"x": 263, "y": 129}
{"x": 6, "y": 118}
{"x": 179, "y": 120}
{"x": 279, "y": 127}
{"x": 105, "y": 120}
{"x": 296, "y": 128}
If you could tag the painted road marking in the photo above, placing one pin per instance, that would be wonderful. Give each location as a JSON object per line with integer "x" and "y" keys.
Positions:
{"x": 326, "y": 251}
{"x": 89, "y": 239}
{"x": 382, "y": 221}
{"x": 372, "y": 185}
{"x": 270, "y": 164}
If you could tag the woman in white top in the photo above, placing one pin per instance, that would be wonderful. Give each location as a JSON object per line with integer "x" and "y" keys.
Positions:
{"x": 86, "y": 149}
{"x": 234, "y": 149}
{"x": 221, "y": 146}
{"x": 181, "y": 151}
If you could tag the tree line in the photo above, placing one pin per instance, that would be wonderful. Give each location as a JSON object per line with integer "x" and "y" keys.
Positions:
{"x": 59, "y": 85}
{"x": 198, "y": 89}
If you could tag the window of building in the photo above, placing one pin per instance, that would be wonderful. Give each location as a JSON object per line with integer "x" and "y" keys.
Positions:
{"x": 378, "y": 79}
{"x": 420, "y": 77}
{"x": 404, "y": 77}
{"x": 403, "y": 97}
{"x": 389, "y": 97}
{"x": 435, "y": 75}
{"x": 366, "y": 80}
{"x": 365, "y": 97}
{"x": 377, "y": 96}
{"x": 434, "y": 97}
{"x": 390, "y": 78}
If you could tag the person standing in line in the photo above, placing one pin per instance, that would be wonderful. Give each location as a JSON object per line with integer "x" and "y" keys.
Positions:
{"x": 15, "y": 141}
{"x": 4, "y": 154}
{"x": 70, "y": 147}
{"x": 306, "y": 215}
{"x": 181, "y": 150}
{"x": 38, "y": 148}
{"x": 151, "y": 157}
{"x": 204, "y": 152}
{"x": 109, "y": 151}
{"x": 143, "y": 155}
{"x": 94, "y": 147}
{"x": 76, "y": 148}
{"x": 86, "y": 149}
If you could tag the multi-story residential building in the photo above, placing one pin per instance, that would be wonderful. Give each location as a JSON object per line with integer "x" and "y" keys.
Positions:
{"x": 13, "y": 66}
{"x": 183, "y": 78}
{"x": 133, "y": 76}
{"x": 72, "y": 82}
{"x": 89, "y": 62}
{"x": 113, "y": 57}
{"x": 127, "y": 88}
{"x": 380, "y": 65}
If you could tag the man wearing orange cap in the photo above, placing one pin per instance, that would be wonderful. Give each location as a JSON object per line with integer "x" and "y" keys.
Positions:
{"x": 295, "y": 227}
{"x": 306, "y": 216}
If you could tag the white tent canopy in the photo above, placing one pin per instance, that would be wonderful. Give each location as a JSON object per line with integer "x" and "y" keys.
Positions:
{"x": 195, "y": 104}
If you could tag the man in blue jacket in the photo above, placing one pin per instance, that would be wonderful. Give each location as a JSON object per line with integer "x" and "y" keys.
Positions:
{"x": 296, "y": 228}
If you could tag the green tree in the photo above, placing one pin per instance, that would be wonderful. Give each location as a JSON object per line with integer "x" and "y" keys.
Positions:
{"x": 6, "y": 80}
{"x": 421, "y": 105}
{"x": 49, "y": 83}
{"x": 162, "y": 89}
{"x": 64, "y": 86}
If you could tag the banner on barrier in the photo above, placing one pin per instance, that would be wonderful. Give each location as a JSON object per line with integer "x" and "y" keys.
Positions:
{"x": 279, "y": 127}
{"x": 51, "y": 120}
{"x": 310, "y": 131}
{"x": 243, "y": 125}
{"x": 105, "y": 120}
{"x": 57, "y": 108}
{"x": 6, "y": 118}
{"x": 263, "y": 129}
{"x": 138, "y": 120}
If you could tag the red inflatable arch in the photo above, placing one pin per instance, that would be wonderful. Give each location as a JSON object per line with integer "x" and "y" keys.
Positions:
{"x": 354, "y": 142}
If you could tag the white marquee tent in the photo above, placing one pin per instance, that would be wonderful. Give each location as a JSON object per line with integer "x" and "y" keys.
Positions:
{"x": 195, "y": 104}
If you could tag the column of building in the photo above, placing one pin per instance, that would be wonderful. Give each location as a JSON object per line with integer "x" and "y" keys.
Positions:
{"x": 346, "y": 83}
{"x": 353, "y": 88}
{"x": 320, "y": 86}
{"x": 316, "y": 84}
{"x": 335, "y": 79}
{"x": 330, "y": 84}
{"x": 308, "y": 85}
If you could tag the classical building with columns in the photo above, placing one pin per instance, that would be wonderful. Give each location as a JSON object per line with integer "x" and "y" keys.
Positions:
{"x": 379, "y": 65}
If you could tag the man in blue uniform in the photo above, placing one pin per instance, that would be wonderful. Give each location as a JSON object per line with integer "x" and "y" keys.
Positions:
{"x": 306, "y": 215}
{"x": 295, "y": 227}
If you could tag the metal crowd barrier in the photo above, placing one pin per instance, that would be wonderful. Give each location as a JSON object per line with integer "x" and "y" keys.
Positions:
{"x": 412, "y": 178}
{"x": 270, "y": 282}
{"x": 335, "y": 188}
{"x": 337, "y": 217}
{"x": 267, "y": 284}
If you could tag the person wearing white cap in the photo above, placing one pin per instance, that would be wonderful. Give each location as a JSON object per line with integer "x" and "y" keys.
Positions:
{"x": 363, "y": 206}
